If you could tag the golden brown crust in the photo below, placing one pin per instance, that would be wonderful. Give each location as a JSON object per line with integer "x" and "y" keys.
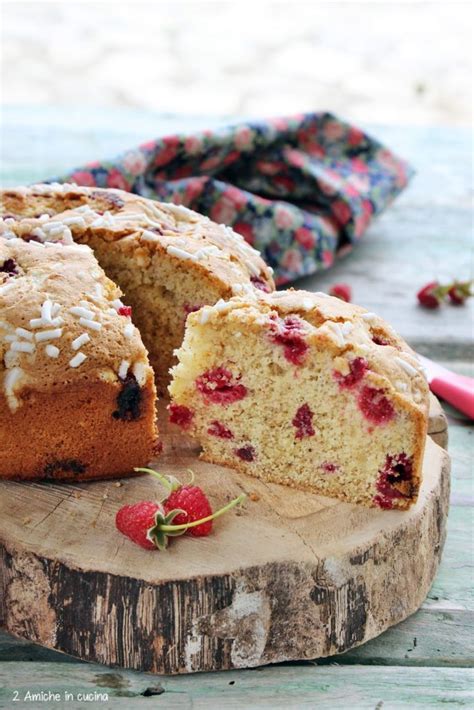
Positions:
{"x": 167, "y": 259}
{"x": 113, "y": 215}
{"x": 77, "y": 392}
{"x": 72, "y": 434}
{"x": 87, "y": 307}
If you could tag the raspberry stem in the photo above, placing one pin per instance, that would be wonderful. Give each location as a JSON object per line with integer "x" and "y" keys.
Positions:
{"x": 195, "y": 523}
{"x": 170, "y": 485}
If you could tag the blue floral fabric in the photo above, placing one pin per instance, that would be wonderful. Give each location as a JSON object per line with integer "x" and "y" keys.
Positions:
{"x": 301, "y": 189}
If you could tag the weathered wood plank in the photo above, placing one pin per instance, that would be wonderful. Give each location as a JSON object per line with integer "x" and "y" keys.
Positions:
{"x": 45, "y": 141}
{"x": 460, "y": 446}
{"x": 13, "y": 649}
{"x": 461, "y": 440}
{"x": 428, "y": 638}
{"x": 405, "y": 248}
{"x": 452, "y": 588}
{"x": 324, "y": 687}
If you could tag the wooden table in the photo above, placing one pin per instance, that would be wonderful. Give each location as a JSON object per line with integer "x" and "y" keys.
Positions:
{"x": 424, "y": 662}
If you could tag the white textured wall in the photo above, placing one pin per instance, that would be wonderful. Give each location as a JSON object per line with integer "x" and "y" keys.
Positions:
{"x": 379, "y": 62}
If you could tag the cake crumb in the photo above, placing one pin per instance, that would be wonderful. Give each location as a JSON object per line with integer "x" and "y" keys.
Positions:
{"x": 283, "y": 405}
{"x": 341, "y": 365}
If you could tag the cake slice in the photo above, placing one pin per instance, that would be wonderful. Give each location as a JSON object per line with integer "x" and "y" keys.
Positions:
{"x": 77, "y": 394}
{"x": 168, "y": 260}
{"x": 305, "y": 390}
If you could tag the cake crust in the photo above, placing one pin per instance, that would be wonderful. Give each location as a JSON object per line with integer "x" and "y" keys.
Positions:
{"x": 68, "y": 434}
{"x": 77, "y": 392}
{"x": 112, "y": 215}
{"x": 167, "y": 259}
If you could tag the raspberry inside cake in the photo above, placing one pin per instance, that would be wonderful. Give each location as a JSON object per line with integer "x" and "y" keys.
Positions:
{"x": 305, "y": 390}
{"x": 169, "y": 261}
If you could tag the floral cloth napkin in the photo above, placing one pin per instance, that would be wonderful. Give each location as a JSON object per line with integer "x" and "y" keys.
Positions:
{"x": 301, "y": 189}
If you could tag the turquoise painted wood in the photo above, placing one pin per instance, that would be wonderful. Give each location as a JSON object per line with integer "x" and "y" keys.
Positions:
{"x": 309, "y": 686}
{"x": 427, "y": 660}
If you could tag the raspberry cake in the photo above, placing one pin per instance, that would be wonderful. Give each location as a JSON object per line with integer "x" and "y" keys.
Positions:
{"x": 306, "y": 390}
{"x": 77, "y": 394}
{"x": 168, "y": 260}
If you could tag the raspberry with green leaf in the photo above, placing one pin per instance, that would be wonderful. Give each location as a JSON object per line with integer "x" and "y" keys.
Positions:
{"x": 186, "y": 510}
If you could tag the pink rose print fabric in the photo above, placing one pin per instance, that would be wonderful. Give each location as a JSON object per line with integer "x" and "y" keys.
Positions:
{"x": 300, "y": 189}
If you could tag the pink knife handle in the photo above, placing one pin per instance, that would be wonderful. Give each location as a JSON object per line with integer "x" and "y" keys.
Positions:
{"x": 457, "y": 390}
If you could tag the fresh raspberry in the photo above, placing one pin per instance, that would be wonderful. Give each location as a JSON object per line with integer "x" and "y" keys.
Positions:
{"x": 136, "y": 520}
{"x": 246, "y": 453}
{"x": 220, "y": 387}
{"x": 358, "y": 367}
{"x": 180, "y": 415}
{"x": 459, "y": 292}
{"x": 125, "y": 311}
{"x": 375, "y": 406}
{"x": 429, "y": 296}
{"x": 342, "y": 291}
{"x": 456, "y": 296}
{"x": 193, "y": 501}
{"x": 259, "y": 283}
{"x": 303, "y": 421}
{"x": 185, "y": 511}
{"x": 290, "y": 333}
{"x": 218, "y": 429}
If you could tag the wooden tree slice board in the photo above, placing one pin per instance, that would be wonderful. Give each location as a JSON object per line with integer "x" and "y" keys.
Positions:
{"x": 289, "y": 576}
{"x": 438, "y": 423}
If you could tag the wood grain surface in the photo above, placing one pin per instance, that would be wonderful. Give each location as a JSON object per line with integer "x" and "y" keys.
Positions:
{"x": 290, "y": 687}
{"x": 290, "y": 575}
